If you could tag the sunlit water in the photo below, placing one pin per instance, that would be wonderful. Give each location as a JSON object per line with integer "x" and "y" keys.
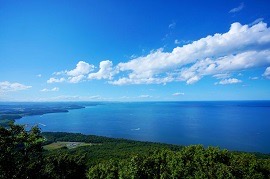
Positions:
{"x": 234, "y": 125}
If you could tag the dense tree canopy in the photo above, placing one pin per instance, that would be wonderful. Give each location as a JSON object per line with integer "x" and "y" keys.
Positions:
{"x": 190, "y": 162}
{"x": 20, "y": 152}
{"x": 22, "y": 156}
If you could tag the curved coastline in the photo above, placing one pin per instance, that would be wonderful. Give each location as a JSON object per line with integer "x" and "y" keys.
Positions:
{"x": 10, "y": 113}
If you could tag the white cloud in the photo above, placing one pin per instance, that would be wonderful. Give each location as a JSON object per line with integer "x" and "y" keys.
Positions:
{"x": 56, "y": 80}
{"x": 242, "y": 47}
{"x": 49, "y": 90}
{"x": 178, "y": 94}
{"x": 73, "y": 76}
{"x": 229, "y": 81}
{"x": 39, "y": 75}
{"x": 225, "y": 64}
{"x": 105, "y": 71}
{"x": 76, "y": 79}
{"x": 82, "y": 68}
{"x": 6, "y": 86}
{"x": 266, "y": 73}
{"x": 237, "y": 9}
{"x": 220, "y": 56}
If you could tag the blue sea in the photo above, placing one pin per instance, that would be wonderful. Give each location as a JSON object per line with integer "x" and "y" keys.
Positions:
{"x": 234, "y": 125}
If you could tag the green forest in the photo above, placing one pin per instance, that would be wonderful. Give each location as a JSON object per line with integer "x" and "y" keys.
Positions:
{"x": 32, "y": 154}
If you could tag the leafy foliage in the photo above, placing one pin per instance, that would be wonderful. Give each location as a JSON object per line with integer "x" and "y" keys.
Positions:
{"x": 190, "y": 162}
{"x": 20, "y": 152}
{"x": 63, "y": 165}
{"x": 22, "y": 156}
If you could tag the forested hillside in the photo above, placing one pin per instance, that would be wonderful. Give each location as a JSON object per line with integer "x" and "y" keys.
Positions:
{"x": 22, "y": 155}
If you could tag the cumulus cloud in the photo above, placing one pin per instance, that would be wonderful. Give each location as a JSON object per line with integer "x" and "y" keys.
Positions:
{"x": 242, "y": 47}
{"x": 6, "y": 86}
{"x": 82, "y": 68}
{"x": 105, "y": 71}
{"x": 225, "y": 64}
{"x": 237, "y": 9}
{"x": 83, "y": 71}
{"x": 78, "y": 74}
{"x": 266, "y": 73}
{"x": 229, "y": 81}
{"x": 73, "y": 76}
{"x": 219, "y": 56}
{"x": 178, "y": 94}
{"x": 49, "y": 90}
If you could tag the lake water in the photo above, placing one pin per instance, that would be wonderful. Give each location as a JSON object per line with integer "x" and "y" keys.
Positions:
{"x": 237, "y": 125}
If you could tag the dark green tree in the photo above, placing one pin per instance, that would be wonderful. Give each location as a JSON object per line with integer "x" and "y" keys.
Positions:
{"x": 190, "y": 162}
{"x": 20, "y": 152}
{"x": 64, "y": 166}
{"x": 109, "y": 169}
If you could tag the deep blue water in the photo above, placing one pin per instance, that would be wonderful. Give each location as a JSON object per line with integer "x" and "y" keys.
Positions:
{"x": 235, "y": 125}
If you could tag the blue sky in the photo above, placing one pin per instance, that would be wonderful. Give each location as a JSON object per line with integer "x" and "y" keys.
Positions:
{"x": 134, "y": 50}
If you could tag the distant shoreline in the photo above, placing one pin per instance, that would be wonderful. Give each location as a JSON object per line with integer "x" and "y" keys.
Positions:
{"x": 10, "y": 113}
{"x": 135, "y": 101}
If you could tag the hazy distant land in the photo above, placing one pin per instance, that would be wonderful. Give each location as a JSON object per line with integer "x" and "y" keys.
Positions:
{"x": 12, "y": 111}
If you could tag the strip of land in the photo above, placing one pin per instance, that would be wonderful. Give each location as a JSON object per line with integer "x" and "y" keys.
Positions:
{"x": 11, "y": 112}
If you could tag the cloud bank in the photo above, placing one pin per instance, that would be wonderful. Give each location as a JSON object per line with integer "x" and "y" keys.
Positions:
{"x": 242, "y": 47}
{"x": 219, "y": 56}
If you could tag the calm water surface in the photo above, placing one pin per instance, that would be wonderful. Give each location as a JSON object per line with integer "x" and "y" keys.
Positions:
{"x": 238, "y": 125}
